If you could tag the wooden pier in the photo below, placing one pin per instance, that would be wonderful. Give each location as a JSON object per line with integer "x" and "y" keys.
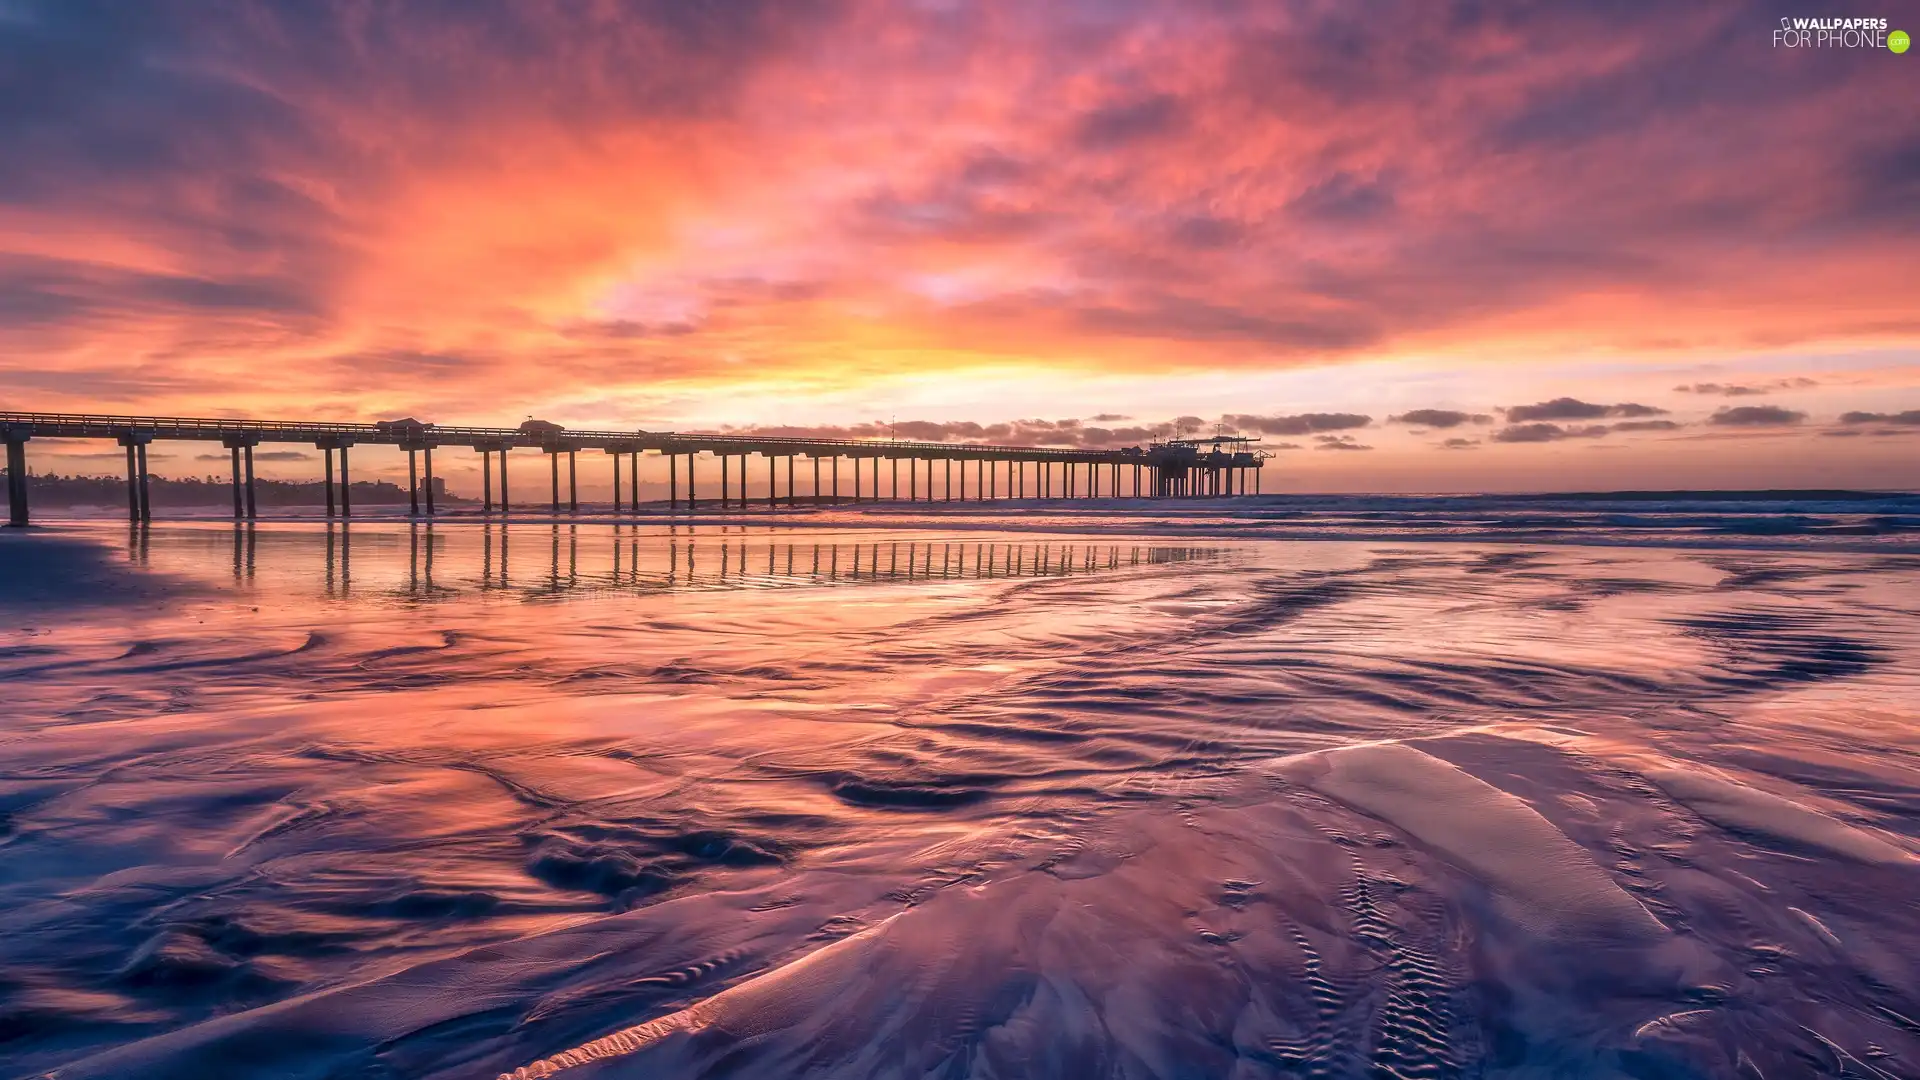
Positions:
{"x": 1223, "y": 466}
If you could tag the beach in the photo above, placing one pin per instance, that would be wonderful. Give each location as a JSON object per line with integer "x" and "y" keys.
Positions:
{"x": 1356, "y": 789}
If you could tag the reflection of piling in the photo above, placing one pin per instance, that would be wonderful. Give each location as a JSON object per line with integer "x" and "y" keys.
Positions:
{"x": 243, "y": 551}
{"x": 644, "y": 564}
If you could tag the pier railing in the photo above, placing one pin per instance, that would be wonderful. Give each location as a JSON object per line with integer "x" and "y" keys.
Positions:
{"x": 97, "y": 426}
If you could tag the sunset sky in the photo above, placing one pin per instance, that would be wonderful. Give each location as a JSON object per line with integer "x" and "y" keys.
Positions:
{"x": 1415, "y": 246}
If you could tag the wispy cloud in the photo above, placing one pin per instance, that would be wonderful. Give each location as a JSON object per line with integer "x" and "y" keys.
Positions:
{"x": 1439, "y": 418}
{"x": 1756, "y": 416}
{"x": 1567, "y": 408}
{"x": 1911, "y": 416}
{"x": 1339, "y": 442}
{"x": 1540, "y": 432}
{"x": 1747, "y": 389}
{"x": 1301, "y": 424}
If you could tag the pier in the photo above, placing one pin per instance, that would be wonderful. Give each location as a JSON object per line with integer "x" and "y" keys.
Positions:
{"x": 1221, "y": 466}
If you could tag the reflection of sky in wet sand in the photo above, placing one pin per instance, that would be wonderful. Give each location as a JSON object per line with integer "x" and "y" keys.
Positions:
{"x": 881, "y": 802}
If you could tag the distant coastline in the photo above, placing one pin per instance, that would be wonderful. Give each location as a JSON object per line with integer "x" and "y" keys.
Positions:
{"x": 1711, "y": 495}
{"x": 56, "y": 491}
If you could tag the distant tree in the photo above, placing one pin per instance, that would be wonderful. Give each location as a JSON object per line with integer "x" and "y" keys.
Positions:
{"x": 55, "y": 490}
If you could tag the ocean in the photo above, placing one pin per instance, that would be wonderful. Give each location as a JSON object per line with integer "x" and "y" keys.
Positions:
{"x": 1489, "y": 786}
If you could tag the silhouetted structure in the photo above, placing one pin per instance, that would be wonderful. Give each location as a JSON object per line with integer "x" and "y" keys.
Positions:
{"x": 1177, "y": 468}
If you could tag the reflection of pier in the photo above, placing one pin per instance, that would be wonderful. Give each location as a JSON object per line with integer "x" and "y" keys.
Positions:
{"x": 419, "y": 562}
{"x": 1220, "y": 466}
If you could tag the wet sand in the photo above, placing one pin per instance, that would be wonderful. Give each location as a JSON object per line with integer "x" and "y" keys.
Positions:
{"x": 934, "y": 798}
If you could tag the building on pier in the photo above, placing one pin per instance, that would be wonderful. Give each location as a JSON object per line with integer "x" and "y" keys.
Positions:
{"x": 1215, "y": 466}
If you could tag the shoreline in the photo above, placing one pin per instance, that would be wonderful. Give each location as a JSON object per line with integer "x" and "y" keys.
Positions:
{"x": 1898, "y": 542}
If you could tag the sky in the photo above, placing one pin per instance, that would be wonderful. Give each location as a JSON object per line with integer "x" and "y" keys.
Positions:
{"x": 1432, "y": 245}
